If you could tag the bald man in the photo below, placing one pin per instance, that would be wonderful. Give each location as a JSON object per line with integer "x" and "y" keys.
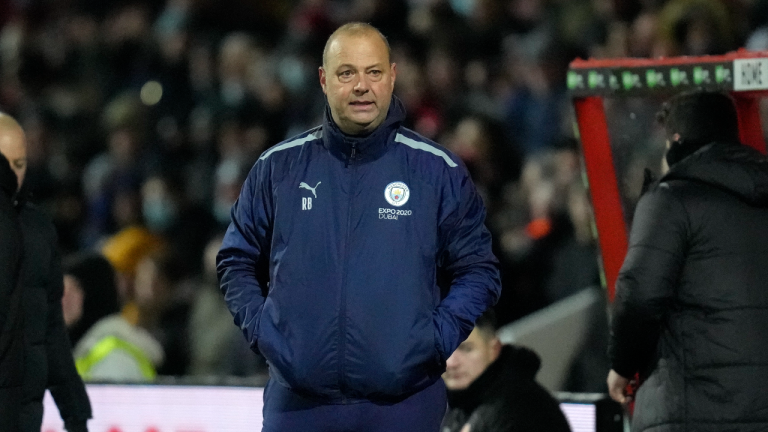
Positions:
{"x": 48, "y": 355}
{"x": 330, "y": 263}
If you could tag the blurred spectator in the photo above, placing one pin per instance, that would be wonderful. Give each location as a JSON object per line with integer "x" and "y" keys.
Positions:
{"x": 217, "y": 347}
{"x": 169, "y": 214}
{"x": 90, "y": 293}
{"x": 163, "y": 308}
{"x": 230, "y": 175}
{"x": 492, "y": 387}
{"x": 697, "y": 27}
{"x": 124, "y": 251}
{"x": 546, "y": 234}
{"x": 111, "y": 180}
{"x": 107, "y": 347}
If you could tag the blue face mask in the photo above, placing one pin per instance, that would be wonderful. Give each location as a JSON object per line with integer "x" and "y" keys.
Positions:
{"x": 159, "y": 214}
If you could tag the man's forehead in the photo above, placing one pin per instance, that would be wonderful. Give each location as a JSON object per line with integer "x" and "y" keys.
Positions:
{"x": 344, "y": 46}
{"x": 13, "y": 143}
{"x": 11, "y": 135}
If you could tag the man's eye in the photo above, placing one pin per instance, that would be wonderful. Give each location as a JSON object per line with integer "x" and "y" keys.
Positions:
{"x": 346, "y": 74}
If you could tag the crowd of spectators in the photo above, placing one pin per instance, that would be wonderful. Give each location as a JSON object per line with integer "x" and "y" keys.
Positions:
{"x": 143, "y": 118}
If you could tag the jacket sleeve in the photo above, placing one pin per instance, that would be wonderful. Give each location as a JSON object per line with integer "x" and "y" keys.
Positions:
{"x": 647, "y": 279}
{"x": 65, "y": 384}
{"x": 243, "y": 261}
{"x": 466, "y": 258}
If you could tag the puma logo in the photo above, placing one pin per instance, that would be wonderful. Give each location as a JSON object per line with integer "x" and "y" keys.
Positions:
{"x": 309, "y": 188}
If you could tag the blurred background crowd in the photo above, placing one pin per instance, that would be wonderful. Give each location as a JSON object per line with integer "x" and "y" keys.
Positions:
{"x": 143, "y": 118}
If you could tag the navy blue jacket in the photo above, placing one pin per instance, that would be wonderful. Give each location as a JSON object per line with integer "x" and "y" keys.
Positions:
{"x": 330, "y": 263}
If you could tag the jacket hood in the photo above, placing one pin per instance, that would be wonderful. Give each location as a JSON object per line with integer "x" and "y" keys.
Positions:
{"x": 739, "y": 169}
{"x": 514, "y": 365}
{"x": 7, "y": 177}
{"x": 367, "y": 147}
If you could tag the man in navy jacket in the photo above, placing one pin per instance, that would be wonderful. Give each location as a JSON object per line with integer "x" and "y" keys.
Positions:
{"x": 331, "y": 262}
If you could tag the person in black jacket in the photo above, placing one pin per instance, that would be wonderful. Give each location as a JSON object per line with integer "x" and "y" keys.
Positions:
{"x": 492, "y": 387}
{"x": 47, "y": 351}
{"x": 691, "y": 308}
{"x": 11, "y": 317}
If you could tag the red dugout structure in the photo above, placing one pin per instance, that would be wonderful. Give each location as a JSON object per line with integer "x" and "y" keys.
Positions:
{"x": 743, "y": 74}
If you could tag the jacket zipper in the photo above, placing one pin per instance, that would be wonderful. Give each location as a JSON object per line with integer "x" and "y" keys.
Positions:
{"x": 343, "y": 295}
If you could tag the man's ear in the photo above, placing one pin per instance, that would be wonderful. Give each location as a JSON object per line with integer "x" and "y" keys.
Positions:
{"x": 321, "y": 72}
{"x": 393, "y": 71}
{"x": 496, "y": 346}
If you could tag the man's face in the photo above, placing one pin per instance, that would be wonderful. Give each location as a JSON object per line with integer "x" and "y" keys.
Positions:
{"x": 14, "y": 147}
{"x": 664, "y": 164}
{"x": 358, "y": 81}
{"x": 470, "y": 360}
{"x": 72, "y": 300}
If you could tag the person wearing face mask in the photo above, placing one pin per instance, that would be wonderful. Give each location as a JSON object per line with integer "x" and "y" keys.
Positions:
{"x": 357, "y": 258}
{"x": 48, "y": 360}
{"x": 492, "y": 387}
{"x": 11, "y": 317}
{"x": 184, "y": 226}
{"x": 691, "y": 310}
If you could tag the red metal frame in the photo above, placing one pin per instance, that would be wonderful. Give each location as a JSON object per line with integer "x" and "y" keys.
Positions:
{"x": 603, "y": 186}
{"x": 750, "y": 128}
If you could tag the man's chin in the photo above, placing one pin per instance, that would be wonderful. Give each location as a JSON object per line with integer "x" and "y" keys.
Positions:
{"x": 364, "y": 127}
{"x": 455, "y": 385}
{"x": 363, "y": 121}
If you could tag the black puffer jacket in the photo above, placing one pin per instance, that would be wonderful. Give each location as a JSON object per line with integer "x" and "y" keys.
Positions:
{"x": 691, "y": 311}
{"x": 49, "y": 362}
{"x": 506, "y": 398}
{"x": 11, "y": 316}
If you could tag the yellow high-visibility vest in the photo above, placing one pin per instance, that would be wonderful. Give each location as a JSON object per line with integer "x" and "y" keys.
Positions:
{"x": 104, "y": 347}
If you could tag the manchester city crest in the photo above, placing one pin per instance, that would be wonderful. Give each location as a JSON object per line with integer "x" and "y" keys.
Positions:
{"x": 397, "y": 193}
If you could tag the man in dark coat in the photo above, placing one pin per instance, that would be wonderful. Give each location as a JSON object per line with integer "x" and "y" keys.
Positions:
{"x": 492, "y": 388}
{"x": 11, "y": 317}
{"x": 691, "y": 311}
{"x": 48, "y": 354}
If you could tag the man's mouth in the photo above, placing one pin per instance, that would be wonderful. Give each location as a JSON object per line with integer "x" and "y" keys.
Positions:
{"x": 361, "y": 103}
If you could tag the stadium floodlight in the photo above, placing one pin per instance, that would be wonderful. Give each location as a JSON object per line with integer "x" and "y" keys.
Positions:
{"x": 743, "y": 74}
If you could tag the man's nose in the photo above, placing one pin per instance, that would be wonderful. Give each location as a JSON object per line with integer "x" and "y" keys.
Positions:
{"x": 362, "y": 86}
{"x": 452, "y": 361}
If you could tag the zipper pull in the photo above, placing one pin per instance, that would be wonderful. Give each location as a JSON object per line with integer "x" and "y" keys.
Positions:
{"x": 354, "y": 151}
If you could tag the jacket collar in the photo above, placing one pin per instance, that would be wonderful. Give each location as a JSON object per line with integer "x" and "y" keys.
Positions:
{"x": 367, "y": 147}
{"x": 7, "y": 178}
{"x": 733, "y": 167}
